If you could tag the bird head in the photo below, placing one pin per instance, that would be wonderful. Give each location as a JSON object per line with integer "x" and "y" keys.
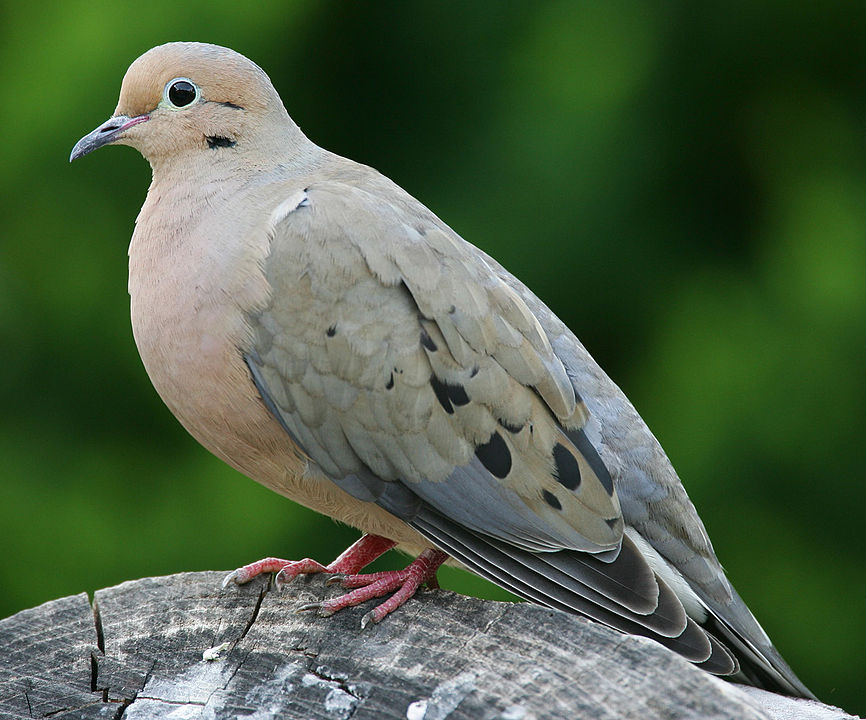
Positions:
{"x": 186, "y": 97}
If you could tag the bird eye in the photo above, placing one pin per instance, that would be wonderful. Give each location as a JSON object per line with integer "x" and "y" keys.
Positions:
{"x": 180, "y": 92}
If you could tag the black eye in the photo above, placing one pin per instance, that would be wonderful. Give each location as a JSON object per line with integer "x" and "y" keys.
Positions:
{"x": 181, "y": 93}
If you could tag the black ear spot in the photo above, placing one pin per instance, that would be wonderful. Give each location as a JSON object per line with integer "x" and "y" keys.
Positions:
{"x": 495, "y": 456}
{"x": 217, "y": 141}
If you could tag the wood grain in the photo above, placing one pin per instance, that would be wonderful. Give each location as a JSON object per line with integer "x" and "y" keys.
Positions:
{"x": 136, "y": 652}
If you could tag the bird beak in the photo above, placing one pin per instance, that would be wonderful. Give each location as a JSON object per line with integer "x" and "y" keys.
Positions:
{"x": 105, "y": 134}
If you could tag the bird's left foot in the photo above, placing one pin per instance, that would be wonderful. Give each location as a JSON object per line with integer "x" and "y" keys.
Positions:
{"x": 345, "y": 571}
{"x": 353, "y": 559}
{"x": 373, "y": 585}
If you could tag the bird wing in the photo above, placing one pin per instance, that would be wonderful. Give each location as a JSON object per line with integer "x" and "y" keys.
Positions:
{"x": 654, "y": 503}
{"x": 417, "y": 378}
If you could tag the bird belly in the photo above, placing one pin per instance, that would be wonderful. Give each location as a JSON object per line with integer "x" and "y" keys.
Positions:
{"x": 191, "y": 338}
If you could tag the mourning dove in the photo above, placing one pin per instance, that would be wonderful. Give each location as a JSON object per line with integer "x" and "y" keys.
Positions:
{"x": 320, "y": 330}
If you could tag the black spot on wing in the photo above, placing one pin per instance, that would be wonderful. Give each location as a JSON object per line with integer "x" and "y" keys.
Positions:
{"x": 567, "y": 470}
{"x": 441, "y": 394}
{"x": 449, "y": 395}
{"x": 390, "y": 383}
{"x": 582, "y": 443}
{"x": 551, "y": 499}
{"x": 331, "y": 331}
{"x": 495, "y": 456}
{"x": 427, "y": 341}
{"x": 508, "y": 426}
{"x": 456, "y": 394}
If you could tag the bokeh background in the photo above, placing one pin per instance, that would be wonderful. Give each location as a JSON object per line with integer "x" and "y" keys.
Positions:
{"x": 682, "y": 182}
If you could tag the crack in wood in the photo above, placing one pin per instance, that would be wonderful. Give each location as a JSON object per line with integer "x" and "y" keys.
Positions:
{"x": 197, "y": 703}
{"x": 148, "y": 675}
{"x": 77, "y": 708}
{"x": 234, "y": 671}
{"x": 122, "y": 709}
{"x": 342, "y": 698}
{"x": 97, "y": 620}
{"x": 324, "y": 673}
{"x": 477, "y": 632}
{"x": 255, "y": 614}
{"x": 100, "y": 643}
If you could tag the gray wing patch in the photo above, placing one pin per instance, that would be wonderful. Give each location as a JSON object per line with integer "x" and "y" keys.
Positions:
{"x": 363, "y": 485}
{"x": 474, "y": 498}
{"x": 472, "y": 495}
{"x": 253, "y": 363}
{"x": 399, "y": 500}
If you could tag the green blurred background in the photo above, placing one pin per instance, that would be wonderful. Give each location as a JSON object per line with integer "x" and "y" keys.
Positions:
{"x": 683, "y": 183}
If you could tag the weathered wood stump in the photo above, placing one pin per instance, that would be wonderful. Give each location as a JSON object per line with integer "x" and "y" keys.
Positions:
{"x": 137, "y": 652}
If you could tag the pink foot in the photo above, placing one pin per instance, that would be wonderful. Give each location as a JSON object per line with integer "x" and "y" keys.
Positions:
{"x": 373, "y": 585}
{"x": 353, "y": 559}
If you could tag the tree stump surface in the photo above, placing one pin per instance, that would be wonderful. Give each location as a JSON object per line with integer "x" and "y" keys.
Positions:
{"x": 137, "y": 651}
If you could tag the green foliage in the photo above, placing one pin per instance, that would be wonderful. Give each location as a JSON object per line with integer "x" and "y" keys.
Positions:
{"x": 683, "y": 183}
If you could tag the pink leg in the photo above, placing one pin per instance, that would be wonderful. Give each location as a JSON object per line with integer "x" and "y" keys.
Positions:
{"x": 353, "y": 559}
{"x": 406, "y": 583}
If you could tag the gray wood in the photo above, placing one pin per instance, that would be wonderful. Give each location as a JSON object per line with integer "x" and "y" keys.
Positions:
{"x": 136, "y": 653}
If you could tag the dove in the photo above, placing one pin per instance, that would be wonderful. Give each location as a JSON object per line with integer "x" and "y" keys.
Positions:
{"x": 323, "y": 332}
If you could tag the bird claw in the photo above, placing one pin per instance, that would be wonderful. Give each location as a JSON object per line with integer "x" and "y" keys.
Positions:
{"x": 286, "y": 571}
{"x": 359, "y": 555}
{"x": 283, "y": 578}
{"x": 232, "y": 577}
{"x": 320, "y": 608}
{"x": 402, "y": 583}
{"x": 326, "y": 608}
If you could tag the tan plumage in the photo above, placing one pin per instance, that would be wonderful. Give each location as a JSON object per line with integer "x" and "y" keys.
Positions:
{"x": 323, "y": 332}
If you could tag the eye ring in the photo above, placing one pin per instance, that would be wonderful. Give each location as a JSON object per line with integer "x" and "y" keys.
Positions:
{"x": 181, "y": 92}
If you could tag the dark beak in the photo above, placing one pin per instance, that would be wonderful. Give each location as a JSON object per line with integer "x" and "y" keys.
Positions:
{"x": 105, "y": 134}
